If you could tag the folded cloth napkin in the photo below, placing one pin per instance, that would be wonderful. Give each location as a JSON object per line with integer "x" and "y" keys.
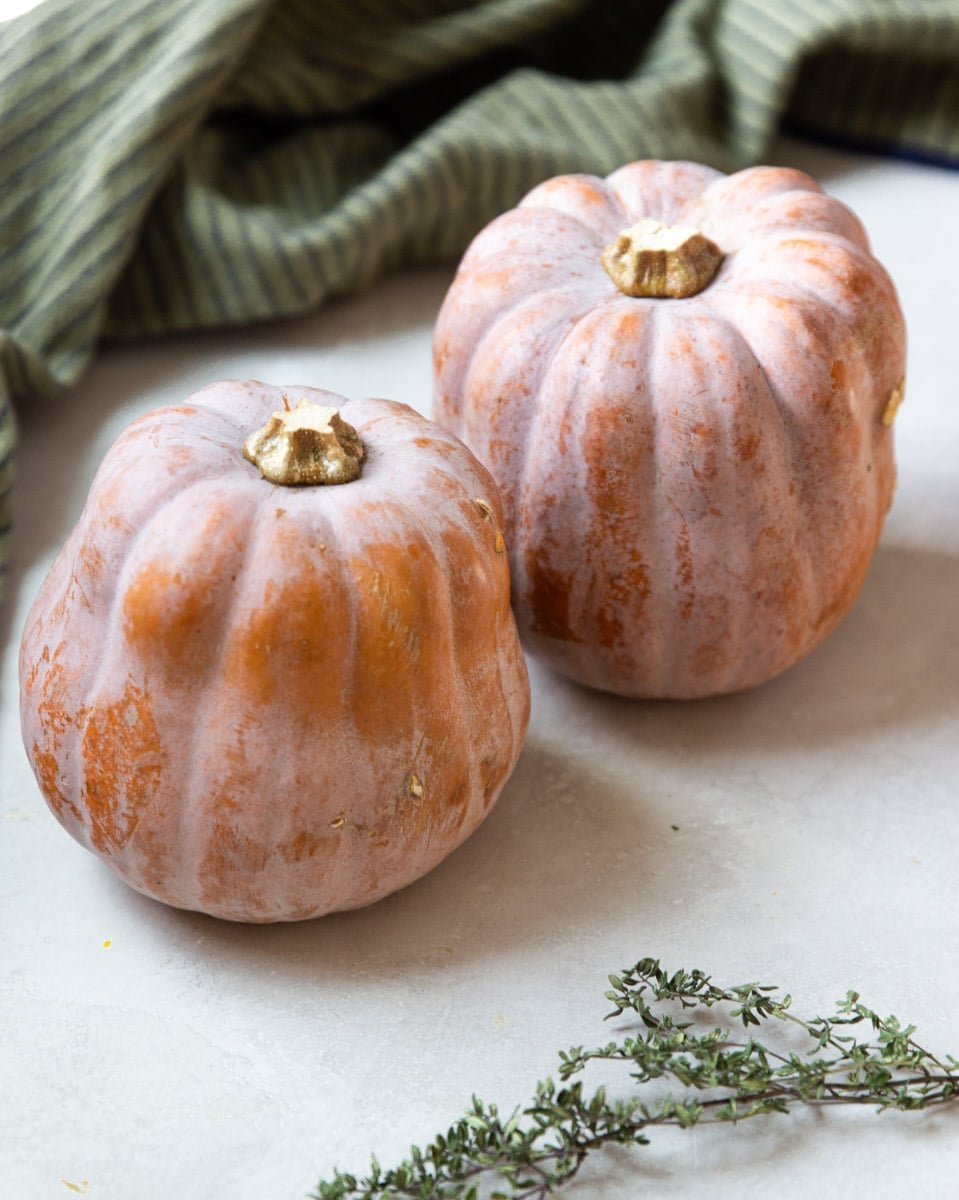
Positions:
{"x": 201, "y": 162}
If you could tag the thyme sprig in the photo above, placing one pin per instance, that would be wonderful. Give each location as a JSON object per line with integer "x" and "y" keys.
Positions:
{"x": 726, "y": 1074}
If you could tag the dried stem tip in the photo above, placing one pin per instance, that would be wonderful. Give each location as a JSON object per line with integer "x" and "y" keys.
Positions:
{"x": 896, "y": 397}
{"x": 652, "y": 259}
{"x": 308, "y": 444}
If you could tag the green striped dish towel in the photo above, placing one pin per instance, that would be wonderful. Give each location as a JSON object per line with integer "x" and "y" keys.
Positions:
{"x": 200, "y": 162}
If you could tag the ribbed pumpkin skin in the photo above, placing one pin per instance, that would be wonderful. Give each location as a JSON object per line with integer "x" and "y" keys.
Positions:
{"x": 268, "y": 703}
{"x": 693, "y": 487}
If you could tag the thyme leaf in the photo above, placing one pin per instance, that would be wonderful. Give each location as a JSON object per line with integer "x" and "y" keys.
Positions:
{"x": 723, "y": 1072}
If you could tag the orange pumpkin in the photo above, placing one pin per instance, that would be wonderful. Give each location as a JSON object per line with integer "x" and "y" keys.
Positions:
{"x": 268, "y": 702}
{"x": 683, "y": 383}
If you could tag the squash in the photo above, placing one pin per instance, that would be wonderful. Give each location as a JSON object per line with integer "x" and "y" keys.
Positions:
{"x": 268, "y": 700}
{"x": 683, "y": 383}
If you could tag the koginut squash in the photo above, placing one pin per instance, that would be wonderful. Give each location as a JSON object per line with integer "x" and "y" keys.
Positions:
{"x": 683, "y": 383}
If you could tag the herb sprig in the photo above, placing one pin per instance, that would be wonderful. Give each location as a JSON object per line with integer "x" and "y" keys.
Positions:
{"x": 726, "y": 1074}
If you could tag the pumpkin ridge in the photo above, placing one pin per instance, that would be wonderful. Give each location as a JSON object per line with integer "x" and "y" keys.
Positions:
{"x": 42, "y": 681}
{"x": 496, "y": 329}
{"x": 488, "y": 311}
{"x": 91, "y": 691}
{"x": 647, "y": 351}
{"x": 719, "y": 213}
{"x": 727, "y": 190}
{"x": 140, "y": 436}
{"x": 600, "y": 523}
{"x": 543, "y": 399}
{"x": 416, "y": 821}
{"x": 617, "y": 306}
{"x": 190, "y": 810}
{"x": 504, "y": 317}
{"x": 232, "y": 423}
{"x": 588, "y": 228}
{"x": 559, "y": 397}
{"x": 732, "y": 330}
{"x": 444, "y": 604}
{"x": 457, "y": 667}
{"x": 651, "y": 173}
{"x": 766, "y": 273}
{"x": 526, "y": 246}
{"x": 811, "y": 300}
{"x": 827, "y": 216}
{"x": 516, "y": 735}
{"x": 653, "y": 336}
{"x": 741, "y": 539}
{"x": 542, "y": 394}
{"x": 130, "y": 860}
{"x": 818, "y": 589}
{"x": 352, "y": 548}
{"x": 764, "y": 240}
{"x": 786, "y": 449}
{"x": 533, "y": 209}
{"x": 336, "y": 528}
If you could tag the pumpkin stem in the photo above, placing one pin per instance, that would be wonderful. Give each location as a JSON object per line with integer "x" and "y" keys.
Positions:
{"x": 652, "y": 259}
{"x": 309, "y": 444}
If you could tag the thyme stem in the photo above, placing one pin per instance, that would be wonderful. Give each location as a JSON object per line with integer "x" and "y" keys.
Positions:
{"x": 722, "y": 1079}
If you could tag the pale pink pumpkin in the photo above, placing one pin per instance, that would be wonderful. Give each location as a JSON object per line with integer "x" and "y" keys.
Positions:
{"x": 268, "y": 702}
{"x": 693, "y": 487}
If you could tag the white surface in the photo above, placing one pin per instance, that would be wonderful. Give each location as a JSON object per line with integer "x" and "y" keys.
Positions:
{"x": 16, "y": 8}
{"x": 816, "y": 847}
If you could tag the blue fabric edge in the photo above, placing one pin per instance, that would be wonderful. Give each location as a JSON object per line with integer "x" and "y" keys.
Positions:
{"x": 875, "y": 146}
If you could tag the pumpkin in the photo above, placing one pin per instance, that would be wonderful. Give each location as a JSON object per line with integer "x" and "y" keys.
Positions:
{"x": 683, "y": 383}
{"x": 273, "y": 681}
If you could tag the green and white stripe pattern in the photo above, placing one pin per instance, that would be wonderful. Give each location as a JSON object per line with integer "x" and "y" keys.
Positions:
{"x": 202, "y": 162}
